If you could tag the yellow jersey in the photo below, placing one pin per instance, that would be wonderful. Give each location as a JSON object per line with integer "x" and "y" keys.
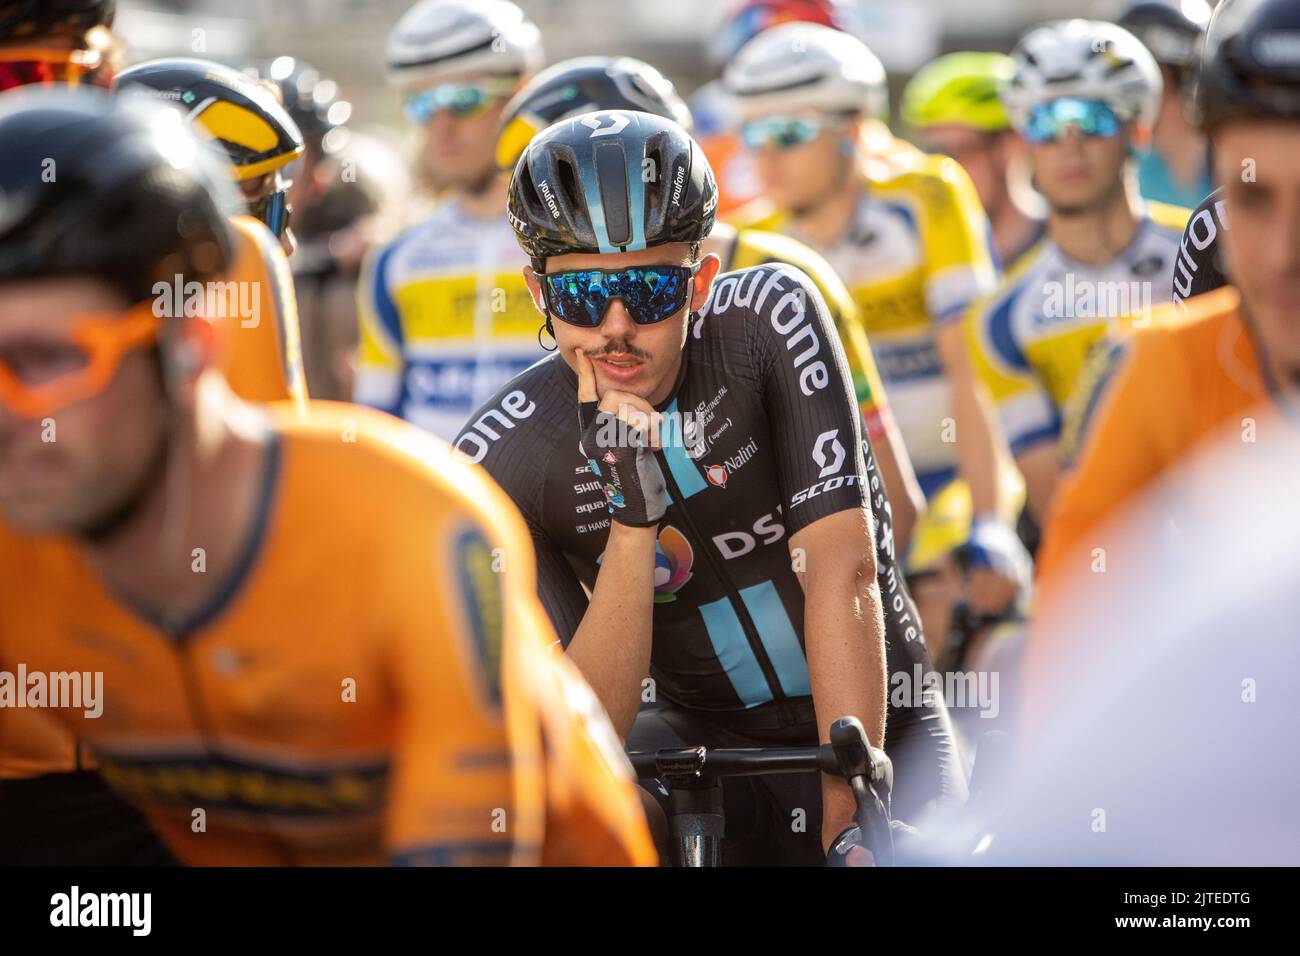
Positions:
{"x": 445, "y": 319}
{"x": 1029, "y": 340}
{"x": 753, "y": 247}
{"x": 916, "y": 256}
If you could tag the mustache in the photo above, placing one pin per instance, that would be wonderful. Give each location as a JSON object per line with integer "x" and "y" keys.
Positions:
{"x": 620, "y": 348}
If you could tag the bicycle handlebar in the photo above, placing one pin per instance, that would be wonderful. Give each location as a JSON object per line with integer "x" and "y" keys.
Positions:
{"x": 848, "y": 756}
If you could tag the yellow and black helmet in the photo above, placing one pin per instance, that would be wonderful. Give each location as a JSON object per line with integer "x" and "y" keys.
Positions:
{"x": 243, "y": 115}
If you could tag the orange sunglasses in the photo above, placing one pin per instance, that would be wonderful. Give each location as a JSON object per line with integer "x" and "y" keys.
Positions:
{"x": 39, "y": 378}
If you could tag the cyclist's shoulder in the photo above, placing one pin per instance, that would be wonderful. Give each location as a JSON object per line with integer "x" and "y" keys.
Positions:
{"x": 1214, "y": 205}
{"x": 760, "y": 213}
{"x": 513, "y": 434}
{"x": 438, "y": 225}
{"x": 935, "y": 183}
{"x": 1169, "y": 220}
{"x": 1014, "y": 285}
{"x": 1178, "y": 352}
{"x": 385, "y": 476}
{"x": 761, "y": 246}
{"x": 257, "y": 253}
{"x": 760, "y": 293}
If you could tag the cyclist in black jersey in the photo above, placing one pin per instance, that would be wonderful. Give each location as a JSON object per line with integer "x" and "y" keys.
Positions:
{"x": 731, "y": 552}
{"x": 1199, "y": 266}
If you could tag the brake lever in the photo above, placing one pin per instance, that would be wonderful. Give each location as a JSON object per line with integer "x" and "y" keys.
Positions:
{"x": 864, "y": 768}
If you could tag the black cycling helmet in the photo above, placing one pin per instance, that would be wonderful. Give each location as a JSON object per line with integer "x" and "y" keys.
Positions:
{"x": 134, "y": 199}
{"x": 581, "y": 85}
{"x": 256, "y": 132}
{"x": 311, "y": 100}
{"x": 37, "y": 19}
{"x": 1173, "y": 37}
{"x": 610, "y": 181}
{"x": 1251, "y": 62}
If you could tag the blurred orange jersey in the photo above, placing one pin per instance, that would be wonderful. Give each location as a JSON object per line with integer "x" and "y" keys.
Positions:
{"x": 261, "y": 358}
{"x": 263, "y": 352}
{"x": 375, "y": 681}
{"x": 1147, "y": 400}
{"x": 1148, "y": 403}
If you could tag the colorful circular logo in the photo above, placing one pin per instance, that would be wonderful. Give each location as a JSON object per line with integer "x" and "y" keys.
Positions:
{"x": 673, "y": 560}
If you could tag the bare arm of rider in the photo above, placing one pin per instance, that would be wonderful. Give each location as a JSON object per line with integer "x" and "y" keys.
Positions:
{"x": 981, "y": 451}
{"x": 611, "y": 646}
{"x": 844, "y": 632}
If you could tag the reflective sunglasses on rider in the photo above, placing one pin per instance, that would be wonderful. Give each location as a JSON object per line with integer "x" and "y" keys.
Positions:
{"x": 1050, "y": 121}
{"x": 780, "y": 132}
{"x": 40, "y": 375}
{"x": 461, "y": 99}
{"x": 649, "y": 293}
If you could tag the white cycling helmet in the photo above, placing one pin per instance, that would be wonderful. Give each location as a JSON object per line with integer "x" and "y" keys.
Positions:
{"x": 1089, "y": 59}
{"x": 440, "y": 41}
{"x": 805, "y": 66}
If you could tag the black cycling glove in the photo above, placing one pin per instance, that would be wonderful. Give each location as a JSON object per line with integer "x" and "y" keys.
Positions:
{"x": 623, "y": 462}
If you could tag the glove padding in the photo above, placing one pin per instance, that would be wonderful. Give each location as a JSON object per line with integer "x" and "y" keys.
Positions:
{"x": 623, "y": 462}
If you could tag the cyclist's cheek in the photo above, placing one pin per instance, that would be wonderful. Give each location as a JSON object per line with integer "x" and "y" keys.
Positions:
{"x": 69, "y": 469}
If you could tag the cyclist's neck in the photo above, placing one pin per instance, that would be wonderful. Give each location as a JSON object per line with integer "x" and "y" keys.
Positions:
{"x": 824, "y": 223}
{"x": 485, "y": 203}
{"x": 1097, "y": 235}
{"x": 1012, "y": 227}
{"x": 191, "y": 526}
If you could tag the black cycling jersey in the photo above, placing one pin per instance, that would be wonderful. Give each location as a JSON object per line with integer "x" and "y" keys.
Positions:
{"x": 763, "y": 438}
{"x": 1199, "y": 266}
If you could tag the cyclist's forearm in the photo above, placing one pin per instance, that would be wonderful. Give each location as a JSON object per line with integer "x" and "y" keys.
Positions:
{"x": 980, "y": 447}
{"x": 845, "y": 641}
{"x": 612, "y": 644}
{"x": 906, "y": 502}
{"x": 845, "y": 638}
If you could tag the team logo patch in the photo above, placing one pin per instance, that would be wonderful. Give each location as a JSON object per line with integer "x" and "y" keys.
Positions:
{"x": 673, "y": 560}
{"x": 716, "y": 474}
{"x": 610, "y": 459}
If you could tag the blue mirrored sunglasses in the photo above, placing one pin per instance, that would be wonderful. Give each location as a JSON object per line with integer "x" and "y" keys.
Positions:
{"x": 649, "y": 293}
{"x": 462, "y": 99}
{"x": 779, "y": 132}
{"x": 1049, "y": 121}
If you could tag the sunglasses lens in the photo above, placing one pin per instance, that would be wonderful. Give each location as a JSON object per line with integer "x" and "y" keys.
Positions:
{"x": 461, "y": 99}
{"x": 1049, "y": 121}
{"x": 40, "y": 363}
{"x": 649, "y": 293}
{"x": 779, "y": 133}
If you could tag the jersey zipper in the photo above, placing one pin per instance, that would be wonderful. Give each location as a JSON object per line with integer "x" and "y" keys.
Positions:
{"x": 194, "y": 699}
{"x": 733, "y": 595}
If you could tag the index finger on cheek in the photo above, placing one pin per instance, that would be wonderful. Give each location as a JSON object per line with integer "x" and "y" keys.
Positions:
{"x": 586, "y": 377}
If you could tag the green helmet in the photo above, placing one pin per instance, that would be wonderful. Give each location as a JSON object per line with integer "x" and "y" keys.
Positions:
{"x": 960, "y": 89}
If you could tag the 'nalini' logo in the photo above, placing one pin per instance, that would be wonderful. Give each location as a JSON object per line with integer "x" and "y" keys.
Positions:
{"x": 673, "y": 560}
{"x": 717, "y": 475}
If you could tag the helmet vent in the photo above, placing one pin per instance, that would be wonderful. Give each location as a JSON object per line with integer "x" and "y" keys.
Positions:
{"x": 611, "y": 173}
